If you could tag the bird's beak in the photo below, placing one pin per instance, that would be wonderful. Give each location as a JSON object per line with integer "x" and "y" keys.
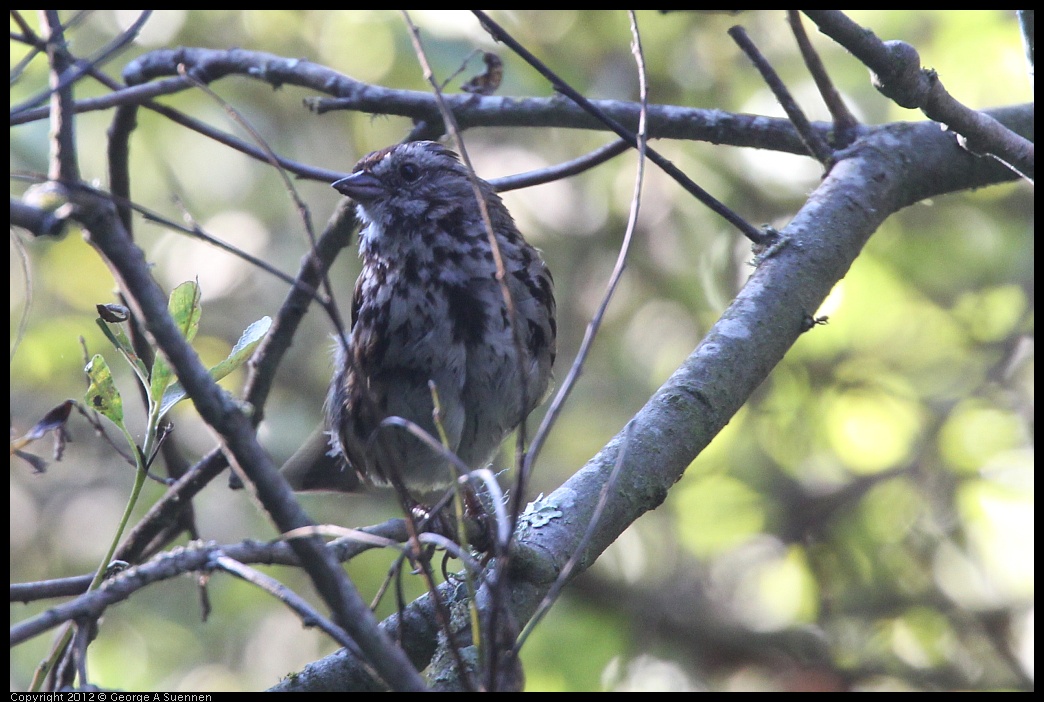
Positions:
{"x": 361, "y": 186}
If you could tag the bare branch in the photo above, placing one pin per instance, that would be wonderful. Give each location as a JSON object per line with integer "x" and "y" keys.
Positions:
{"x": 756, "y": 235}
{"x": 817, "y": 146}
{"x": 897, "y": 74}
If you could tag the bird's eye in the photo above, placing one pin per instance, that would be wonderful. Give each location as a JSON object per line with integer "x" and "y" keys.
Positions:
{"x": 409, "y": 172}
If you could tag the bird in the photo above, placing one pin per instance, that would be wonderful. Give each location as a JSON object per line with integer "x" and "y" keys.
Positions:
{"x": 439, "y": 314}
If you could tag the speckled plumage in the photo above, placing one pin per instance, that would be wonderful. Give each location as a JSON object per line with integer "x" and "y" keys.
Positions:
{"x": 428, "y": 307}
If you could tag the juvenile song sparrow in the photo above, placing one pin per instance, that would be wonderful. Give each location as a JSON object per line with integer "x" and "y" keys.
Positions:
{"x": 429, "y": 308}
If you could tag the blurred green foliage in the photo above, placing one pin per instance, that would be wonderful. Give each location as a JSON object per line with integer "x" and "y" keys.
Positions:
{"x": 875, "y": 496}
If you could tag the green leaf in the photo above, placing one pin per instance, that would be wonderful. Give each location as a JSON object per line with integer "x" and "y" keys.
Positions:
{"x": 185, "y": 309}
{"x": 102, "y": 395}
{"x": 239, "y": 355}
{"x": 243, "y": 349}
{"x": 119, "y": 339}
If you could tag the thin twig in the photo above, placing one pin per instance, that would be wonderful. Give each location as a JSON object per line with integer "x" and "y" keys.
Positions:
{"x": 567, "y": 570}
{"x": 308, "y": 614}
{"x": 349, "y": 544}
{"x": 561, "y": 170}
{"x": 84, "y": 67}
{"x": 594, "y": 324}
{"x": 198, "y": 232}
{"x": 845, "y": 123}
{"x": 762, "y": 238}
{"x": 817, "y": 147}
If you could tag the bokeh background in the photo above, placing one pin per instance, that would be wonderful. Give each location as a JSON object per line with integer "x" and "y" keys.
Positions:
{"x": 865, "y": 521}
